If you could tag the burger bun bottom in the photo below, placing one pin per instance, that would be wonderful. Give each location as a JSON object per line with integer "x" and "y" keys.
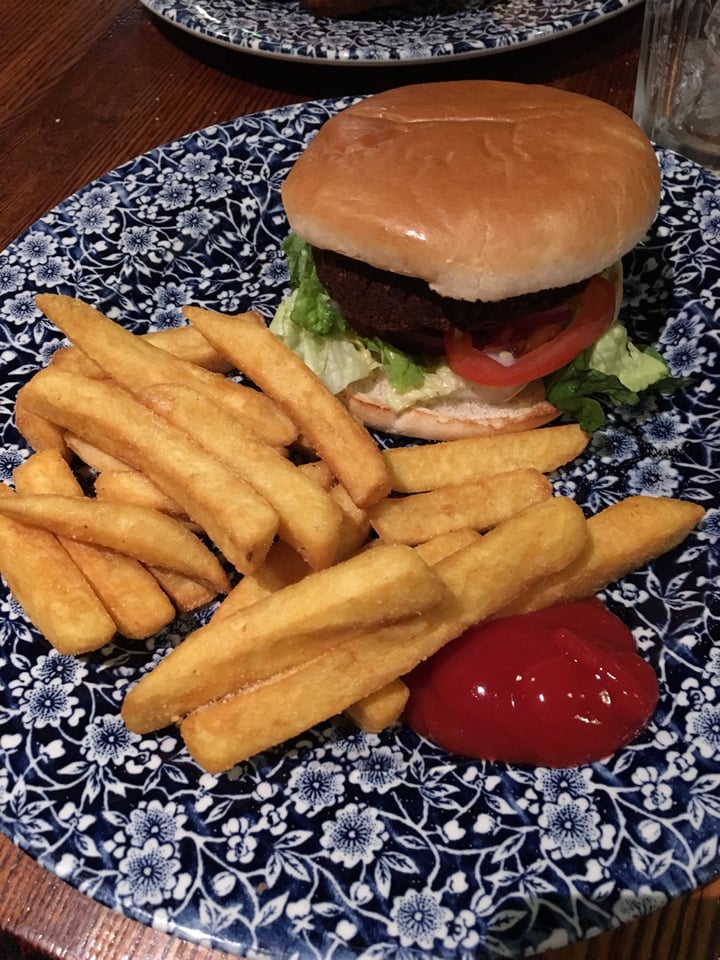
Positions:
{"x": 453, "y": 419}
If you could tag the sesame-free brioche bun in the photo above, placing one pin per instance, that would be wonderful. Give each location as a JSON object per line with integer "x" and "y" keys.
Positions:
{"x": 486, "y": 190}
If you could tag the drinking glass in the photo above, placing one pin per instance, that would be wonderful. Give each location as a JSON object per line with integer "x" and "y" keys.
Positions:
{"x": 677, "y": 97}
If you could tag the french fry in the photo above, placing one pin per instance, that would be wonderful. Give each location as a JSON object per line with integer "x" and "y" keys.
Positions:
{"x": 480, "y": 578}
{"x": 73, "y": 360}
{"x": 50, "y": 587}
{"x": 185, "y": 343}
{"x": 235, "y": 517}
{"x": 378, "y": 710}
{"x": 384, "y": 706}
{"x": 129, "y": 592}
{"x": 445, "y": 544}
{"x": 39, "y": 433}
{"x": 333, "y": 433}
{"x": 93, "y": 456}
{"x": 479, "y": 505}
{"x": 187, "y": 594}
{"x": 135, "y": 363}
{"x": 282, "y": 566}
{"x": 425, "y": 467}
{"x": 309, "y": 518}
{"x": 129, "y": 486}
{"x": 319, "y": 471}
{"x": 377, "y": 586}
{"x": 147, "y": 535}
{"x": 355, "y": 526}
{"x": 621, "y": 538}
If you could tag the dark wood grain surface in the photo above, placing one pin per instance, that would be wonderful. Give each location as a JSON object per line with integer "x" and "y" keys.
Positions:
{"x": 86, "y": 85}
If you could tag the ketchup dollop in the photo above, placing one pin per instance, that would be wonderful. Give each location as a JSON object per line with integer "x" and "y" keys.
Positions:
{"x": 557, "y": 688}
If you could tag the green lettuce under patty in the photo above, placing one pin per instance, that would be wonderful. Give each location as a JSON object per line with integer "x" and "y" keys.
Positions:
{"x": 344, "y": 350}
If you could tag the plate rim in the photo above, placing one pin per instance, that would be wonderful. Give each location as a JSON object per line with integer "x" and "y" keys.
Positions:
{"x": 269, "y": 50}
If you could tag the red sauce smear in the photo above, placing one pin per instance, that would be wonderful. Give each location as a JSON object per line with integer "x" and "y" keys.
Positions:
{"x": 556, "y": 688}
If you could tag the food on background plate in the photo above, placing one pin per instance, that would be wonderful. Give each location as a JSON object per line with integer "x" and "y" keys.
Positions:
{"x": 455, "y": 257}
{"x": 336, "y": 9}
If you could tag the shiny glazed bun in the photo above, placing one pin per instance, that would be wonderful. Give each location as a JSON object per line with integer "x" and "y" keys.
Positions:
{"x": 486, "y": 190}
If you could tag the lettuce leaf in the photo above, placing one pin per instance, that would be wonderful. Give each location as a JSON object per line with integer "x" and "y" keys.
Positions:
{"x": 312, "y": 307}
{"x": 402, "y": 371}
{"x": 614, "y": 354}
{"x": 313, "y": 311}
{"x": 439, "y": 383}
{"x": 614, "y": 370}
{"x": 336, "y": 358}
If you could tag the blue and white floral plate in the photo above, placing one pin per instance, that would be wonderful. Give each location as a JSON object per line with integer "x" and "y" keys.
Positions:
{"x": 413, "y": 31}
{"x": 339, "y": 844}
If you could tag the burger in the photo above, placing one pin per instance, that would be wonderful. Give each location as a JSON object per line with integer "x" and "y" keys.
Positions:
{"x": 455, "y": 257}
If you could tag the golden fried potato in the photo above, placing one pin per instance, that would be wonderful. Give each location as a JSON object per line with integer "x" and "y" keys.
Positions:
{"x": 282, "y": 566}
{"x": 185, "y": 343}
{"x": 240, "y": 522}
{"x": 415, "y": 469}
{"x": 129, "y": 592}
{"x": 480, "y": 505}
{"x": 187, "y": 594}
{"x": 147, "y": 535}
{"x": 290, "y": 625}
{"x": 445, "y": 544}
{"x": 480, "y": 578}
{"x": 129, "y": 486}
{"x": 135, "y": 363}
{"x": 40, "y": 434}
{"x": 621, "y": 538}
{"x": 308, "y": 517}
{"x": 324, "y": 422}
{"x": 381, "y": 708}
{"x": 51, "y": 589}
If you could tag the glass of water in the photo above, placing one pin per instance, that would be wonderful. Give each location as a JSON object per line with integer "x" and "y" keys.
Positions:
{"x": 677, "y": 97}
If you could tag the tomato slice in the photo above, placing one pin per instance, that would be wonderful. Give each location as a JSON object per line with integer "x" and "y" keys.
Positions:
{"x": 592, "y": 313}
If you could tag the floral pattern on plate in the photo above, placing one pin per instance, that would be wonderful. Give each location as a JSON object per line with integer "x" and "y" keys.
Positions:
{"x": 417, "y": 31}
{"x": 339, "y": 844}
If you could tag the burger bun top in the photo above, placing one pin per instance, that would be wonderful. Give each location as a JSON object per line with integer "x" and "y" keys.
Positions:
{"x": 484, "y": 189}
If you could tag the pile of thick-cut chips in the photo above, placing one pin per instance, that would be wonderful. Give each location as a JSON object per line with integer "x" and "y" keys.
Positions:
{"x": 339, "y": 566}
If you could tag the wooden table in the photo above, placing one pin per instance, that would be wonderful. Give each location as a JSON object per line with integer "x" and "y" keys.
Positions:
{"x": 86, "y": 86}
